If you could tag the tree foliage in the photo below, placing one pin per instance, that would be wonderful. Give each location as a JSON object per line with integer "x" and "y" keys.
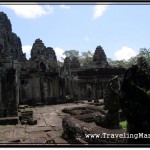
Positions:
{"x": 132, "y": 61}
{"x": 116, "y": 63}
{"x": 71, "y": 53}
{"x": 86, "y": 58}
{"x": 59, "y": 63}
{"x": 146, "y": 54}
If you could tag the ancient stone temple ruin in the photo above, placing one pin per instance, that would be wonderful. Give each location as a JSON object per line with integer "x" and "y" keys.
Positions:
{"x": 39, "y": 80}
{"x": 94, "y": 79}
{"x": 10, "y": 57}
{"x": 39, "y": 76}
{"x": 99, "y": 58}
{"x": 99, "y": 94}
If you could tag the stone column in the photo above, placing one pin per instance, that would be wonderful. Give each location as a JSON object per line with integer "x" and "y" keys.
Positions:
{"x": 96, "y": 99}
{"x": 79, "y": 92}
{"x": 64, "y": 89}
{"x": 17, "y": 87}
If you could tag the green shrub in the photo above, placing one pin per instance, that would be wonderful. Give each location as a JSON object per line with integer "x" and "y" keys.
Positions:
{"x": 123, "y": 124}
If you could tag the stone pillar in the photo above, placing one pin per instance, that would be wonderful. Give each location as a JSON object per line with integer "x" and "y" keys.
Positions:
{"x": 9, "y": 93}
{"x": 17, "y": 87}
{"x": 36, "y": 89}
{"x": 64, "y": 89}
{"x": 45, "y": 90}
{"x": 96, "y": 99}
{"x": 79, "y": 92}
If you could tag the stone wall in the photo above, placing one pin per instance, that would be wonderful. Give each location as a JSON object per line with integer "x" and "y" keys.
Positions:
{"x": 9, "y": 91}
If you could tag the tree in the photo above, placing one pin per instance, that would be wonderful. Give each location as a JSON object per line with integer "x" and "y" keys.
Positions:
{"x": 132, "y": 61}
{"x": 117, "y": 63}
{"x": 71, "y": 53}
{"x": 60, "y": 63}
{"x": 145, "y": 53}
{"x": 86, "y": 60}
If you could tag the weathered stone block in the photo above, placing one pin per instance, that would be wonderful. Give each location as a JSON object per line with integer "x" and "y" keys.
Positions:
{"x": 9, "y": 120}
{"x": 77, "y": 129}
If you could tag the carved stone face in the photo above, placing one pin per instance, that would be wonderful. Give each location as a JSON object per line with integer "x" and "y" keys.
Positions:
{"x": 67, "y": 62}
{"x": 4, "y": 22}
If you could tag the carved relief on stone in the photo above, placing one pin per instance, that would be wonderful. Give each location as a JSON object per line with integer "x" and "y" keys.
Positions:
{"x": 10, "y": 43}
{"x": 37, "y": 49}
{"x": 75, "y": 63}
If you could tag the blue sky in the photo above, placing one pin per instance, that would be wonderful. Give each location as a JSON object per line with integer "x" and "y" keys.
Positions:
{"x": 120, "y": 29}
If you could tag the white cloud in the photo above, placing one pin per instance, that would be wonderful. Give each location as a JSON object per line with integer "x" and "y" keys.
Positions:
{"x": 59, "y": 53}
{"x": 86, "y": 38}
{"x": 125, "y": 53}
{"x": 99, "y": 10}
{"x": 30, "y": 11}
{"x": 27, "y": 49}
{"x": 64, "y": 7}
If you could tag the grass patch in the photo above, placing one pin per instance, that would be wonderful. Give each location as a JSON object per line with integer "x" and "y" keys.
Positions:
{"x": 123, "y": 124}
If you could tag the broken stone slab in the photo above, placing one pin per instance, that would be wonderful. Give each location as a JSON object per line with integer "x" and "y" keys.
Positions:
{"x": 54, "y": 134}
{"x": 34, "y": 135}
{"x": 9, "y": 121}
{"x": 98, "y": 108}
{"x": 81, "y": 111}
{"x": 79, "y": 102}
{"x": 57, "y": 128}
{"x": 88, "y": 117}
{"x": 40, "y": 140}
{"x": 32, "y": 121}
{"x": 23, "y": 106}
{"x": 99, "y": 104}
{"x": 77, "y": 110}
{"x": 53, "y": 121}
{"x": 27, "y": 112}
{"x": 8, "y": 135}
{"x": 23, "y": 122}
{"x": 38, "y": 129}
{"x": 37, "y": 116}
{"x": 28, "y": 141}
{"x": 41, "y": 123}
{"x": 19, "y": 133}
{"x": 14, "y": 141}
{"x": 101, "y": 101}
{"x": 74, "y": 128}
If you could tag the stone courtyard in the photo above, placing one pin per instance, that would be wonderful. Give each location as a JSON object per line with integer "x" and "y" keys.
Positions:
{"x": 47, "y": 131}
